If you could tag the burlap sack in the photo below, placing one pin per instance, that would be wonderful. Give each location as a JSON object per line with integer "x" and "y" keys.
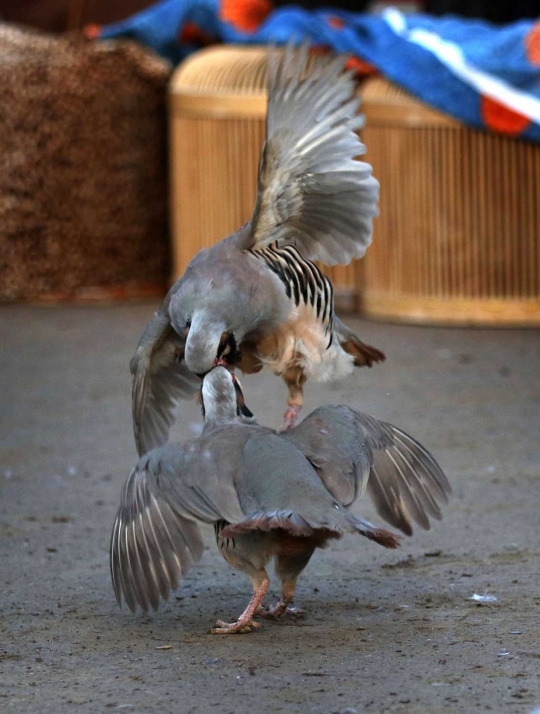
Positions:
{"x": 83, "y": 168}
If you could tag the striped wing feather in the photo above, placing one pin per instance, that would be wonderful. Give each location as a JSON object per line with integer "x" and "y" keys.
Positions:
{"x": 160, "y": 380}
{"x": 312, "y": 193}
{"x": 151, "y": 546}
{"x": 406, "y": 483}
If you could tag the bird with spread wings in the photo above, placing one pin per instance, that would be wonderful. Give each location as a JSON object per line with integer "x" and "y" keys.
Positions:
{"x": 256, "y": 298}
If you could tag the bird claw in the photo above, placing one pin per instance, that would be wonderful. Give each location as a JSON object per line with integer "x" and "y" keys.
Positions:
{"x": 245, "y": 622}
{"x": 231, "y": 628}
{"x": 290, "y": 417}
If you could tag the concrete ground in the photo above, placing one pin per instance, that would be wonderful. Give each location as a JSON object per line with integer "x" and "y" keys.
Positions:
{"x": 384, "y": 631}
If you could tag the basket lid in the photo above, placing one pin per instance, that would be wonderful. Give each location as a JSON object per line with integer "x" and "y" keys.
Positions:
{"x": 385, "y": 103}
{"x": 223, "y": 81}
{"x": 223, "y": 69}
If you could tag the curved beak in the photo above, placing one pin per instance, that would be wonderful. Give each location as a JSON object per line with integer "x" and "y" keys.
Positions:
{"x": 203, "y": 340}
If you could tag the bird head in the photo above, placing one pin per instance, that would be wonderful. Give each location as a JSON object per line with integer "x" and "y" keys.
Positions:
{"x": 222, "y": 398}
{"x": 216, "y": 304}
{"x": 209, "y": 341}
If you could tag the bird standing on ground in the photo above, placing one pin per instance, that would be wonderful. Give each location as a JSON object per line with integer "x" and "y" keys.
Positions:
{"x": 270, "y": 495}
{"x": 256, "y": 298}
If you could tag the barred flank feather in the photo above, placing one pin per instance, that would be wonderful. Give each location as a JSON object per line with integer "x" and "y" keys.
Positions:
{"x": 304, "y": 283}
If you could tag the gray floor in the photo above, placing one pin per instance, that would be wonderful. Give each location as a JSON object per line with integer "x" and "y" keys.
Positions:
{"x": 384, "y": 631}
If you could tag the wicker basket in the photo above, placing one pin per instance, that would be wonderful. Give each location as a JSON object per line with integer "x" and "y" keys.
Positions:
{"x": 218, "y": 109}
{"x": 83, "y": 180}
{"x": 458, "y": 237}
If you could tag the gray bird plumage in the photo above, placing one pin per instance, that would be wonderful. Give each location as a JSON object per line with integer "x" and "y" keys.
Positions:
{"x": 255, "y": 298}
{"x": 311, "y": 191}
{"x": 269, "y": 495}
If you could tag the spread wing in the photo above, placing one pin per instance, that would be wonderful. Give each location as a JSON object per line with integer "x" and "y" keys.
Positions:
{"x": 160, "y": 379}
{"x": 351, "y": 450}
{"x": 406, "y": 483}
{"x": 340, "y": 447}
{"x": 155, "y": 537}
{"x": 311, "y": 191}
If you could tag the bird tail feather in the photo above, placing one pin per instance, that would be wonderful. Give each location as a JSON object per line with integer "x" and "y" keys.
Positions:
{"x": 364, "y": 355}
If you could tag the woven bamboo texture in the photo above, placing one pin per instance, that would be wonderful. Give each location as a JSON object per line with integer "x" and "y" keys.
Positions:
{"x": 217, "y": 122}
{"x": 458, "y": 237}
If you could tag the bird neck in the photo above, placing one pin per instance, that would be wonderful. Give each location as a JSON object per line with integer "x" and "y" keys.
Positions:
{"x": 219, "y": 406}
{"x": 217, "y": 419}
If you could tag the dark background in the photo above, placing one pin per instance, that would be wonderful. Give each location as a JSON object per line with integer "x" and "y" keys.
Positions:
{"x": 60, "y": 15}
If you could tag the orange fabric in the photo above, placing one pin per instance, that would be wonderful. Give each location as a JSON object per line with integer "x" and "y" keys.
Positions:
{"x": 245, "y": 15}
{"x": 335, "y": 22}
{"x": 532, "y": 45}
{"x": 499, "y": 118}
{"x": 92, "y": 31}
{"x": 360, "y": 67}
{"x": 192, "y": 33}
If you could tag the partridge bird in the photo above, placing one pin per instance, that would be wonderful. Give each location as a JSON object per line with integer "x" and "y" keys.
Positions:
{"x": 256, "y": 298}
{"x": 270, "y": 495}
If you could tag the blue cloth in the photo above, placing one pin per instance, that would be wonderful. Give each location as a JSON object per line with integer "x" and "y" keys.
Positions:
{"x": 483, "y": 75}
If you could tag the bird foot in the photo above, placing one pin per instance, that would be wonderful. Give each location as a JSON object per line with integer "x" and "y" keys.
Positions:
{"x": 281, "y": 609}
{"x": 291, "y": 416}
{"x": 245, "y": 622}
{"x": 240, "y": 627}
